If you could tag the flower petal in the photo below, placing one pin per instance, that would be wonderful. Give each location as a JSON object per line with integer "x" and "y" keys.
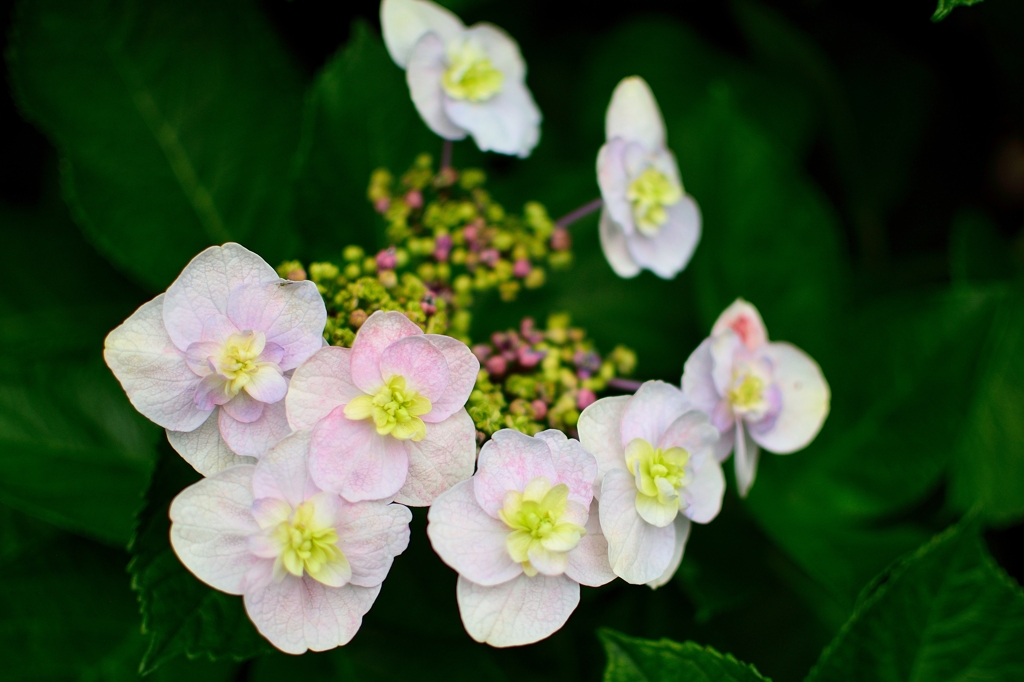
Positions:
{"x": 651, "y": 411}
{"x": 638, "y": 552}
{"x": 253, "y": 439}
{"x": 421, "y": 364}
{"x": 682, "y": 529}
{"x": 427, "y": 64}
{"x": 746, "y": 459}
{"x": 745, "y": 321}
{"x": 379, "y": 331}
{"x": 521, "y": 611}
{"x": 704, "y": 494}
{"x": 203, "y": 287}
{"x": 371, "y": 535}
{"x": 404, "y": 22}
{"x": 297, "y": 614}
{"x": 600, "y": 429}
{"x": 614, "y": 243}
{"x": 633, "y": 114}
{"x": 320, "y": 384}
{"x": 283, "y": 473}
{"x": 243, "y": 407}
{"x": 508, "y": 123}
{"x": 469, "y": 540}
{"x": 267, "y": 385}
{"x": 463, "y": 367}
{"x": 205, "y": 448}
{"x": 805, "y": 400}
{"x": 290, "y": 314}
{"x": 210, "y": 528}
{"x": 445, "y": 456}
{"x": 152, "y": 371}
{"x": 667, "y": 252}
{"x": 588, "y": 562}
{"x": 698, "y": 380}
{"x": 509, "y": 461}
{"x": 351, "y": 459}
{"x": 198, "y": 356}
{"x": 692, "y": 432}
{"x": 574, "y": 466}
{"x": 501, "y": 48}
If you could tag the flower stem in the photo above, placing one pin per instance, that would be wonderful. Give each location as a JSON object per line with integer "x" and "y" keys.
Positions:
{"x": 584, "y": 210}
{"x": 446, "y": 154}
{"x": 628, "y": 385}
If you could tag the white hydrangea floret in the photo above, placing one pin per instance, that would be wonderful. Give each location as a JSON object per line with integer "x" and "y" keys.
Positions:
{"x": 648, "y": 222}
{"x": 308, "y": 564}
{"x": 656, "y": 475}
{"x": 523, "y": 534}
{"x": 462, "y": 80}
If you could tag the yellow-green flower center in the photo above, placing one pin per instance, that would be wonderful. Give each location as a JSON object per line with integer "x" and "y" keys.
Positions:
{"x": 307, "y": 546}
{"x": 395, "y": 410}
{"x": 470, "y": 74}
{"x": 747, "y": 394}
{"x": 651, "y": 192}
{"x": 237, "y": 361}
{"x": 535, "y": 517}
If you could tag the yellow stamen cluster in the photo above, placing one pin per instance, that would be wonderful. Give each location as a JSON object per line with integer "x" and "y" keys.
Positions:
{"x": 651, "y": 192}
{"x": 747, "y": 394}
{"x": 307, "y": 546}
{"x": 535, "y": 517}
{"x": 395, "y": 410}
{"x": 470, "y": 74}
{"x": 237, "y": 361}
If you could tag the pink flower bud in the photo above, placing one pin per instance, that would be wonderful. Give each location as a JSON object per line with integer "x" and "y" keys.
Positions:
{"x": 382, "y": 205}
{"x": 561, "y": 240}
{"x": 585, "y": 398}
{"x": 414, "y": 198}
{"x": 386, "y": 259}
{"x": 540, "y": 409}
{"x": 482, "y": 351}
{"x": 496, "y": 365}
{"x": 522, "y": 268}
{"x": 490, "y": 257}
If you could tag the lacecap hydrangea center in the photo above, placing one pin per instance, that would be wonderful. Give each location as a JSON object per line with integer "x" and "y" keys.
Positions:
{"x": 395, "y": 410}
{"x": 470, "y": 74}
{"x": 651, "y": 193}
{"x": 538, "y": 529}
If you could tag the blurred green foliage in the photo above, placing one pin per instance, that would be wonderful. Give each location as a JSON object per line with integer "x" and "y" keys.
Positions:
{"x": 839, "y": 195}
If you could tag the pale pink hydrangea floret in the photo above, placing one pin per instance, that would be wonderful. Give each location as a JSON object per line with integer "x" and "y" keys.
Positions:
{"x": 388, "y": 415}
{"x": 759, "y": 394}
{"x": 462, "y": 80}
{"x": 523, "y": 534}
{"x": 656, "y": 474}
{"x": 648, "y": 222}
{"x": 210, "y": 359}
{"x": 308, "y": 564}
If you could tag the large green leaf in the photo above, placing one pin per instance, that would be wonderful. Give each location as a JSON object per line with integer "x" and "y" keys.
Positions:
{"x": 946, "y": 612}
{"x": 178, "y": 123}
{"x": 359, "y": 117}
{"x": 944, "y": 7}
{"x": 180, "y": 614}
{"x": 640, "y": 660}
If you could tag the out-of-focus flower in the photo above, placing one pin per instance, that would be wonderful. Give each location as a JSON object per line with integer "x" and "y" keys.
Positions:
{"x": 758, "y": 393}
{"x": 648, "y": 222}
{"x": 388, "y": 415}
{"x": 523, "y": 534}
{"x": 209, "y": 360}
{"x": 308, "y": 563}
{"x": 656, "y": 474}
{"x": 462, "y": 80}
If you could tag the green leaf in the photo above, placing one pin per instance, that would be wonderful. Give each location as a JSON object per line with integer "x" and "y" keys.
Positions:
{"x": 641, "y": 660}
{"x": 359, "y": 117}
{"x": 946, "y": 6}
{"x": 946, "y": 612}
{"x": 177, "y": 122}
{"x": 977, "y": 252}
{"x": 180, "y": 614}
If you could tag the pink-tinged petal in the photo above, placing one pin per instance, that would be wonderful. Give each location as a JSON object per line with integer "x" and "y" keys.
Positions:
{"x": 682, "y": 529}
{"x": 217, "y": 329}
{"x": 508, "y": 123}
{"x": 319, "y": 385}
{"x": 725, "y": 348}
{"x": 371, "y": 535}
{"x": 698, "y": 382}
{"x": 747, "y": 453}
{"x": 421, "y": 364}
{"x": 613, "y": 181}
{"x": 704, "y": 494}
{"x": 600, "y": 429}
{"x": 351, "y": 459}
{"x": 445, "y": 456}
{"x": 614, "y": 243}
{"x": 203, "y": 287}
{"x": 198, "y": 356}
{"x": 205, "y": 448}
{"x": 509, "y": 461}
{"x": 269, "y": 512}
{"x": 633, "y": 114}
{"x": 379, "y": 331}
{"x": 668, "y": 252}
{"x": 574, "y": 466}
{"x": 521, "y": 611}
{"x": 427, "y": 64}
{"x": 588, "y": 562}
{"x": 805, "y": 400}
{"x": 243, "y": 407}
{"x": 745, "y": 321}
{"x": 253, "y": 439}
{"x": 210, "y": 528}
{"x": 267, "y": 385}
{"x": 403, "y": 23}
{"x": 692, "y": 432}
{"x": 290, "y": 314}
{"x": 469, "y": 540}
{"x": 283, "y": 473}
{"x": 463, "y": 368}
{"x": 274, "y": 353}
{"x": 297, "y": 614}
{"x": 152, "y": 371}
{"x": 211, "y": 392}
{"x": 651, "y": 411}
{"x": 638, "y": 552}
